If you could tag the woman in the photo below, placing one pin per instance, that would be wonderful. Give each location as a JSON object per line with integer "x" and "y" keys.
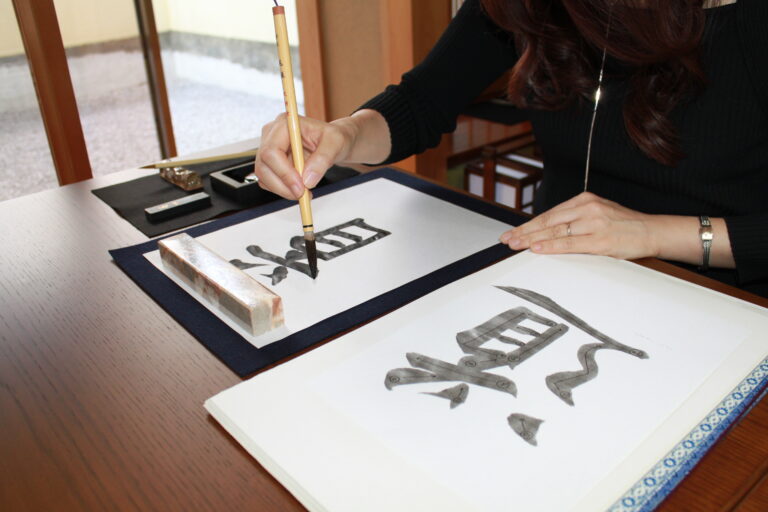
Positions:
{"x": 680, "y": 137}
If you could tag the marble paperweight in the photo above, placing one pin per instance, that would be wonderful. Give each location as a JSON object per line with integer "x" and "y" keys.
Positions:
{"x": 251, "y": 305}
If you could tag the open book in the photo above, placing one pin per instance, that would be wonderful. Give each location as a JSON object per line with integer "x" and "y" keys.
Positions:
{"x": 540, "y": 383}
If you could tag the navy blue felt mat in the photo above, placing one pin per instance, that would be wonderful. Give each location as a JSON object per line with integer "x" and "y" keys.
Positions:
{"x": 242, "y": 357}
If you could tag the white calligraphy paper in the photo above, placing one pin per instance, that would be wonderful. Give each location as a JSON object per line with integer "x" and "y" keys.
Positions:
{"x": 413, "y": 234}
{"x": 335, "y": 427}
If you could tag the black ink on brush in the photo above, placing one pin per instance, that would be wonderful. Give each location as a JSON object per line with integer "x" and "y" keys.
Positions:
{"x": 311, "y": 248}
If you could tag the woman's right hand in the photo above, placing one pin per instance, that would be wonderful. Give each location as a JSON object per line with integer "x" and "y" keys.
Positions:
{"x": 362, "y": 137}
{"x": 324, "y": 145}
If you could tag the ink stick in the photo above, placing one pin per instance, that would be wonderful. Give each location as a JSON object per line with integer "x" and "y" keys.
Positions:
{"x": 171, "y": 209}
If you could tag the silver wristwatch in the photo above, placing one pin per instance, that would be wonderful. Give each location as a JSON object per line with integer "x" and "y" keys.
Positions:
{"x": 705, "y": 233}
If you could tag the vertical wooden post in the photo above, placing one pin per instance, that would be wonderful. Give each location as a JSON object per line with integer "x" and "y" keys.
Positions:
{"x": 397, "y": 50}
{"x": 150, "y": 43}
{"x": 311, "y": 59}
{"x": 397, "y": 38}
{"x": 56, "y": 97}
{"x": 488, "y": 157}
{"x": 409, "y": 30}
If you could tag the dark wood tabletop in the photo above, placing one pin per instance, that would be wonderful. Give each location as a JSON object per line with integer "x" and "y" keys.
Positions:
{"x": 101, "y": 392}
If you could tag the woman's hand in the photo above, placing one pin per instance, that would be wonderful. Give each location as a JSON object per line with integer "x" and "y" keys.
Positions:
{"x": 324, "y": 144}
{"x": 589, "y": 224}
{"x": 362, "y": 137}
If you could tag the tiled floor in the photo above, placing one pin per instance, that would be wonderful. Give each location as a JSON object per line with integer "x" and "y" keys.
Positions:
{"x": 213, "y": 102}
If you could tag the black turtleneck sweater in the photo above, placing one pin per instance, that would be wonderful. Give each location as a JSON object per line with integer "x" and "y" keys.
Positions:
{"x": 723, "y": 131}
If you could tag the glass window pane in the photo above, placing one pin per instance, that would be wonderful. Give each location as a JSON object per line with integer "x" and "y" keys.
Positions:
{"x": 106, "y": 64}
{"x": 221, "y": 68}
{"x": 26, "y": 165}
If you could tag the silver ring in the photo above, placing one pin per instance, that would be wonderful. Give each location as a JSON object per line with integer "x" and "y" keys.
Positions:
{"x": 568, "y": 229}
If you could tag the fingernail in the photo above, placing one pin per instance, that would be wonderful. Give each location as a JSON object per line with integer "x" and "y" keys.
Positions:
{"x": 515, "y": 242}
{"x": 311, "y": 178}
{"x": 536, "y": 247}
{"x": 297, "y": 190}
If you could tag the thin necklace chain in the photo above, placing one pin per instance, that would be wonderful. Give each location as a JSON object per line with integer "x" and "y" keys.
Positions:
{"x": 598, "y": 94}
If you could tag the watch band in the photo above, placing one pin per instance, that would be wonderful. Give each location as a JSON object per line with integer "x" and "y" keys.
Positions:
{"x": 706, "y": 235}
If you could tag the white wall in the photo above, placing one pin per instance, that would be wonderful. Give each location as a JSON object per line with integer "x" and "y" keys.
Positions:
{"x": 92, "y": 21}
{"x": 10, "y": 39}
{"x": 239, "y": 19}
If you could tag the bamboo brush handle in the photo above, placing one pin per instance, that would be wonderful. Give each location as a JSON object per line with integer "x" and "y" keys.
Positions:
{"x": 289, "y": 93}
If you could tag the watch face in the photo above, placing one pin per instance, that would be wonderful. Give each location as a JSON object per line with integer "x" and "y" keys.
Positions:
{"x": 707, "y": 236}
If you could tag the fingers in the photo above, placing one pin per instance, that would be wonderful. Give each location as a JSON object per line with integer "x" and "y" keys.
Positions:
{"x": 584, "y": 244}
{"x": 586, "y": 224}
{"x": 577, "y": 236}
{"x": 326, "y": 153}
{"x": 552, "y": 224}
{"x": 562, "y": 230}
{"x": 277, "y": 174}
{"x": 562, "y": 213}
{"x": 323, "y": 144}
{"x": 273, "y": 166}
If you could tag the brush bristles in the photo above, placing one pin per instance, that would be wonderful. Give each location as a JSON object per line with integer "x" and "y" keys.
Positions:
{"x": 311, "y": 248}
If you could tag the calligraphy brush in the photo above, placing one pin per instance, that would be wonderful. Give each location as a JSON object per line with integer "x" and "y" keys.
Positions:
{"x": 294, "y": 132}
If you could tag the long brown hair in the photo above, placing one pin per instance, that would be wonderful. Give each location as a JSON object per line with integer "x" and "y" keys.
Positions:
{"x": 560, "y": 43}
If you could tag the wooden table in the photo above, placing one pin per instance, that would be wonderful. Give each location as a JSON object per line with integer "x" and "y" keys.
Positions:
{"x": 101, "y": 392}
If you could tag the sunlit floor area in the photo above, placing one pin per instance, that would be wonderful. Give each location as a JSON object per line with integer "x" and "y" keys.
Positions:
{"x": 213, "y": 102}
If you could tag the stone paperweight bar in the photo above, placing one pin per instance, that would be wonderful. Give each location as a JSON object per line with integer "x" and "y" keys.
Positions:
{"x": 250, "y": 304}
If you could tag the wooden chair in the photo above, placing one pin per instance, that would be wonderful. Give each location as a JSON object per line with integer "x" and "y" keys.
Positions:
{"x": 508, "y": 173}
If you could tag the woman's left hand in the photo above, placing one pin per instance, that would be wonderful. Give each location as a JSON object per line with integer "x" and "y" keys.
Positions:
{"x": 587, "y": 224}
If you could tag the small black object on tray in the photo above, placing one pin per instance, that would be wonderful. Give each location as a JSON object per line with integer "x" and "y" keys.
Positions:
{"x": 239, "y": 184}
